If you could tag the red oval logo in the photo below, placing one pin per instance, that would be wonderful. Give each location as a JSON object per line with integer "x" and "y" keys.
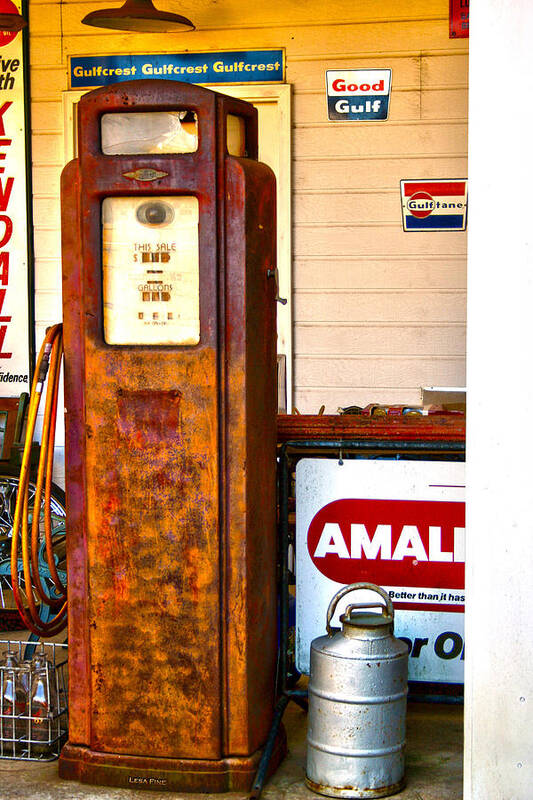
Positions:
{"x": 390, "y": 542}
{"x": 420, "y": 204}
{"x": 7, "y": 7}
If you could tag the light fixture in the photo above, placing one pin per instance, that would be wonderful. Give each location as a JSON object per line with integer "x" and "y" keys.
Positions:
{"x": 138, "y": 15}
{"x": 12, "y": 22}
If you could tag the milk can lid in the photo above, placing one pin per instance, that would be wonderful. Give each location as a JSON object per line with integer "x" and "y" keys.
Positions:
{"x": 354, "y": 615}
{"x": 366, "y": 619}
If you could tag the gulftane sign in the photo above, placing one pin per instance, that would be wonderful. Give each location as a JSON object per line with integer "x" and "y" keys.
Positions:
{"x": 437, "y": 205}
{"x": 236, "y": 66}
{"x": 358, "y": 94}
{"x": 400, "y": 524}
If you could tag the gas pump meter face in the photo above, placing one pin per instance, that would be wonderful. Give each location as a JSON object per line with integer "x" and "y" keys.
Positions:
{"x": 151, "y": 270}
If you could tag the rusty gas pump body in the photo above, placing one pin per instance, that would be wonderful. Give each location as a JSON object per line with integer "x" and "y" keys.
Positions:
{"x": 170, "y": 449}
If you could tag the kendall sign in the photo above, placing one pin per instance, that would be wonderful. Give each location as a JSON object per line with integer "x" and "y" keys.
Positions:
{"x": 358, "y": 94}
{"x": 400, "y": 524}
{"x": 14, "y": 229}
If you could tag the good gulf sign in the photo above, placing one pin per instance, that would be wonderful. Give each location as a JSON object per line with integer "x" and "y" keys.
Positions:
{"x": 358, "y": 94}
{"x": 409, "y": 542}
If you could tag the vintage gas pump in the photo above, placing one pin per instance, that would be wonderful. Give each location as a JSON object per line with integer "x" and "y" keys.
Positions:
{"x": 169, "y": 323}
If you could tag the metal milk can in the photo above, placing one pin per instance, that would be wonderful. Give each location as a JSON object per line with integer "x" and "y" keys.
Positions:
{"x": 357, "y": 702}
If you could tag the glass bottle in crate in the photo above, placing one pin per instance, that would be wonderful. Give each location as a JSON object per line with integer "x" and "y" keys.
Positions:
{"x": 43, "y": 704}
{"x": 14, "y": 703}
{"x": 23, "y": 722}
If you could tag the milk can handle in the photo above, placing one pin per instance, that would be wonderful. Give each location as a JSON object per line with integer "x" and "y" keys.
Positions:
{"x": 351, "y": 588}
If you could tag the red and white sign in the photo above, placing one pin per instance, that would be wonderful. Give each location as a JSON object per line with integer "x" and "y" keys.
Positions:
{"x": 400, "y": 524}
{"x": 415, "y": 542}
{"x": 7, "y": 7}
{"x": 459, "y": 19}
{"x": 14, "y": 259}
{"x": 438, "y": 205}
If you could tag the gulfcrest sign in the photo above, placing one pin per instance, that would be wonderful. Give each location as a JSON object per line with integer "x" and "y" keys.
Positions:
{"x": 235, "y": 66}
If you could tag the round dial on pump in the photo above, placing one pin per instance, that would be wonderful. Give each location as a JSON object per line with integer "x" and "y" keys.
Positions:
{"x": 155, "y": 213}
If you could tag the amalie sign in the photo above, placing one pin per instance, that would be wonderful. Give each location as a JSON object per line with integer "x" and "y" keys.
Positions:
{"x": 398, "y": 524}
{"x": 14, "y": 256}
{"x": 349, "y": 539}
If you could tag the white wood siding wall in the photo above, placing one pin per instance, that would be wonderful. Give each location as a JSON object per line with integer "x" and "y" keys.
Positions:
{"x": 377, "y": 312}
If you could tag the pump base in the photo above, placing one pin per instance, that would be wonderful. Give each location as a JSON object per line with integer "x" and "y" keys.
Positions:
{"x": 166, "y": 774}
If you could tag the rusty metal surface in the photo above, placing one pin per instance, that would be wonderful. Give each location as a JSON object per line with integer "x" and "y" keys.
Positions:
{"x": 171, "y": 498}
{"x": 250, "y": 524}
{"x": 343, "y": 426}
{"x": 153, "y": 554}
{"x": 74, "y": 368}
{"x": 164, "y": 774}
{"x": 354, "y": 791}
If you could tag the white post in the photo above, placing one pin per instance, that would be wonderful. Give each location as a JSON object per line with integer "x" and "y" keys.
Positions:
{"x": 499, "y": 610}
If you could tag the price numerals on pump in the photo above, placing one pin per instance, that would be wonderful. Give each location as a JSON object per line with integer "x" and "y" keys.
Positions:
{"x": 154, "y": 289}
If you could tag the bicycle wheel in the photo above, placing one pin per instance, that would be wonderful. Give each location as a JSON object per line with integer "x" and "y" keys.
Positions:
{"x": 9, "y": 482}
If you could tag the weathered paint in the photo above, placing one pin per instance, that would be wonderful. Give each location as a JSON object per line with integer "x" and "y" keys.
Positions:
{"x": 172, "y": 499}
{"x": 345, "y": 426}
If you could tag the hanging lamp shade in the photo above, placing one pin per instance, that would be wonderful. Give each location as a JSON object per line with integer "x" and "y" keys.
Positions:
{"x": 12, "y": 22}
{"x": 138, "y": 15}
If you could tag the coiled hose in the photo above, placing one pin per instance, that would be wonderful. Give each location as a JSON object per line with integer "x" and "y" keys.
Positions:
{"x": 49, "y": 361}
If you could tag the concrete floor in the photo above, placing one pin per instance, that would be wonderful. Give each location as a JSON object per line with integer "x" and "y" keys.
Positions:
{"x": 434, "y": 766}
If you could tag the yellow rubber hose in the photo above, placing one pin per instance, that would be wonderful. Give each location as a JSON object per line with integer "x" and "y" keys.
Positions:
{"x": 49, "y": 361}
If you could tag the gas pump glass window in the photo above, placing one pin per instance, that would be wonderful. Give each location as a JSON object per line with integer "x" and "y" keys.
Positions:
{"x": 135, "y": 133}
{"x": 151, "y": 270}
{"x": 236, "y": 135}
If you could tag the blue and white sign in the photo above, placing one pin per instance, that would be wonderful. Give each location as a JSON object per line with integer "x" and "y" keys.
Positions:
{"x": 361, "y": 94}
{"x": 236, "y": 66}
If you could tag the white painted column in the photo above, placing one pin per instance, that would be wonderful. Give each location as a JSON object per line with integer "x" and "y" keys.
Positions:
{"x": 499, "y": 612}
